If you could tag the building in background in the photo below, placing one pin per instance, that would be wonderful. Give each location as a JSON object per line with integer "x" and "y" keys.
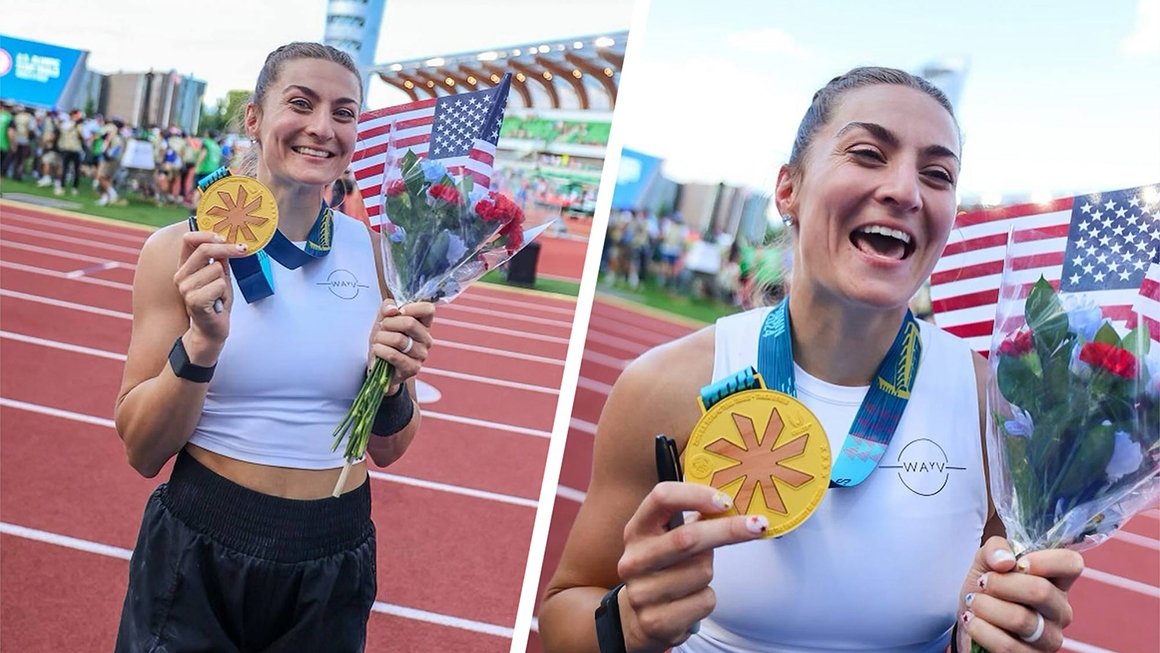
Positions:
{"x": 555, "y": 132}
{"x": 153, "y": 99}
{"x": 353, "y": 27}
{"x": 42, "y": 75}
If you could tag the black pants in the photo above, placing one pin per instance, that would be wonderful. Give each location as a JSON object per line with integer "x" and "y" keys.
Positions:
{"x": 220, "y": 568}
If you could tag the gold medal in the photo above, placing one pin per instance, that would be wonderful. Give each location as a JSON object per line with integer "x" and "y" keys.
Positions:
{"x": 767, "y": 451}
{"x": 239, "y": 209}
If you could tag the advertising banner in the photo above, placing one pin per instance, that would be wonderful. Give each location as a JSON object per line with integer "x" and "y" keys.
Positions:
{"x": 39, "y": 74}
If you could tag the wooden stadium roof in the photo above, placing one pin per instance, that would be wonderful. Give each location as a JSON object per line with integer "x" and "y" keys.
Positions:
{"x": 575, "y": 73}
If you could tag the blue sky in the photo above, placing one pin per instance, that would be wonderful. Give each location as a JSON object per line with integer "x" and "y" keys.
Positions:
{"x": 1059, "y": 97}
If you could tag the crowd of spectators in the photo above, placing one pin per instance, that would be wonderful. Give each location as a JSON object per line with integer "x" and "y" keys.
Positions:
{"x": 65, "y": 149}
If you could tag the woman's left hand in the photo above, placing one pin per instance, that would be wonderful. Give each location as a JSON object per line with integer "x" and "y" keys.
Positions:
{"x": 402, "y": 337}
{"x": 1010, "y": 606}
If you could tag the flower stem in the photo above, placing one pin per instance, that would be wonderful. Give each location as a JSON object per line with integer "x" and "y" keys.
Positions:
{"x": 355, "y": 427}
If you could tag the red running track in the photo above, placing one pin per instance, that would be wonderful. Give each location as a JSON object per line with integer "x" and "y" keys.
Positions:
{"x": 1116, "y": 602}
{"x": 454, "y": 515}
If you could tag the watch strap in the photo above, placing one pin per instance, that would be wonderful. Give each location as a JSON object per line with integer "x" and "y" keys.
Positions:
{"x": 609, "y": 633}
{"x": 184, "y": 369}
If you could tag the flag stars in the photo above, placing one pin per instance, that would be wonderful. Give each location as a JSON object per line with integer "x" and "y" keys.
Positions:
{"x": 1135, "y": 202}
{"x": 1087, "y": 207}
{"x": 1099, "y": 277}
{"x": 1120, "y": 212}
{"x": 1074, "y": 279}
{"x": 1110, "y": 205}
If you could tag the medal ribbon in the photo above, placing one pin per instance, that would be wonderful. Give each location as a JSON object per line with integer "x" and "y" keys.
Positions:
{"x": 253, "y": 272}
{"x": 881, "y": 409}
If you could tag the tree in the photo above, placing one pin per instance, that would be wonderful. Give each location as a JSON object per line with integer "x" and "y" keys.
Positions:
{"x": 227, "y": 115}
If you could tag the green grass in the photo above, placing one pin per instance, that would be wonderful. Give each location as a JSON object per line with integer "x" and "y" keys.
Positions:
{"x": 557, "y": 286}
{"x": 129, "y": 208}
{"x": 702, "y": 310}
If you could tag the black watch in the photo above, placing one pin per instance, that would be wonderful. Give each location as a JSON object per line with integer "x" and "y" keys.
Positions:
{"x": 609, "y": 633}
{"x": 179, "y": 361}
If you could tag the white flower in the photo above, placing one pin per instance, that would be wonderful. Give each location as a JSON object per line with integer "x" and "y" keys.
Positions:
{"x": 1022, "y": 425}
{"x": 1126, "y": 457}
{"x": 1078, "y": 367}
{"x": 1084, "y": 316}
{"x": 1152, "y": 361}
{"x": 455, "y": 249}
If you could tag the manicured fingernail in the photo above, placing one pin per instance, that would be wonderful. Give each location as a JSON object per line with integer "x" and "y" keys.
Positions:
{"x": 1000, "y": 556}
{"x": 1023, "y": 565}
{"x": 722, "y": 501}
{"x": 968, "y": 598}
{"x": 966, "y": 617}
{"x": 983, "y": 582}
{"x": 757, "y": 524}
{"x": 243, "y": 247}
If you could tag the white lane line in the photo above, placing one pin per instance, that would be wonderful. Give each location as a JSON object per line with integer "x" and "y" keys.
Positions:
{"x": 1138, "y": 540}
{"x": 89, "y": 244}
{"x": 501, "y": 330}
{"x": 508, "y": 315}
{"x": 594, "y": 386}
{"x": 1121, "y": 582}
{"x": 583, "y": 426}
{"x": 4, "y": 292}
{"x": 476, "y": 378}
{"x": 110, "y": 551}
{"x": 101, "y": 353}
{"x": 571, "y": 494}
{"x": 613, "y": 325}
{"x": 634, "y": 348}
{"x": 394, "y": 478}
{"x": 53, "y": 344}
{"x": 442, "y": 619}
{"x": 1080, "y": 647}
{"x": 135, "y": 237}
{"x": 66, "y": 275}
{"x": 455, "y": 489}
{"x": 101, "y": 267}
{"x": 490, "y": 300}
{"x": 62, "y": 254}
{"x": 615, "y": 363}
{"x": 471, "y": 421}
{"x": 518, "y": 355}
{"x": 65, "y": 541}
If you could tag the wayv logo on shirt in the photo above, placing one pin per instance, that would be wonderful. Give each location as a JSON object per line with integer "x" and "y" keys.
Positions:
{"x": 343, "y": 284}
{"x": 923, "y": 467}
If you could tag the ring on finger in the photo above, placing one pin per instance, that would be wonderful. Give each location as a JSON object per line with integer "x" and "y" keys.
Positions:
{"x": 1034, "y": 637}
{"x": 410, "y": 343}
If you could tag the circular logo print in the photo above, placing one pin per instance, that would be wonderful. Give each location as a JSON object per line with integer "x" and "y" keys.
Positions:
{"x": 343, "y": 284}
{"x": 239, "y": 209}
{"x": 767, "y": 451}
{"x": 923, "y": 467}
{"x": 5, "y": 62}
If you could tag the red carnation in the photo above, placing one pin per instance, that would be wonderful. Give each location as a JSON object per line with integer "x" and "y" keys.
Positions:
{"x": 1018, "y": 343}
{"x": 396, "y": 187}
{"x": 446, "y": 193}
{"x": 486, "y": 210}
{"x": 1113, "y": 359}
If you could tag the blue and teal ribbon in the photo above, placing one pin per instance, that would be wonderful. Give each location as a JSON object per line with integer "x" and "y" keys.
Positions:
{"x": 253, "y": 273}
{"x": 881, "y": 409}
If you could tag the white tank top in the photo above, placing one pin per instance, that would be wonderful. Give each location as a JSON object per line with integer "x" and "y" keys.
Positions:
{"x": 878, "y": 567}
{"x": 294, "y": 361}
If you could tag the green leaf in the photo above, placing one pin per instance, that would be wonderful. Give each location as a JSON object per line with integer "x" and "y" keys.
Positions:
{"x": 1084, "y": 466}
{"x": 1137, "y": 341}
{"x": 1018, "y": 380}
{"x": 1107, "y": 335}
{"x": 1046, "y": 318}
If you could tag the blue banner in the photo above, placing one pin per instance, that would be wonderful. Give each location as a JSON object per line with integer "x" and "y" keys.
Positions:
{"x": 37, "y": 74}
{"x": 634, "y": 179}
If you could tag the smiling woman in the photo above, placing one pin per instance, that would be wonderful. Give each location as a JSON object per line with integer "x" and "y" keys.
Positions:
{"x": 246, "y": 395}
{"x": 879, "y": 565}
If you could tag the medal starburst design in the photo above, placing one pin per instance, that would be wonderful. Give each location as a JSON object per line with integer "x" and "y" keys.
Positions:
{"x": 759, "y": 463}
{"x": 237, "y": 215}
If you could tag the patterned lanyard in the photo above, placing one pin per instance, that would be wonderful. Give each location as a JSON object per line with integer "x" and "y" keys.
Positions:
{"x": 253, "y": 273}
{"x": 881, "y": 409}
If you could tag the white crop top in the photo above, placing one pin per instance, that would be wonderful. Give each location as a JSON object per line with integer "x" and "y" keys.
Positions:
{"x": 877, "y": 567}
{"x": 294, "y": 361}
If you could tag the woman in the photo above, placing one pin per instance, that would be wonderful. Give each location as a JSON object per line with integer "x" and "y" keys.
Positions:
{"x": 870, "y": 194}
{"x": 243, "y": 550}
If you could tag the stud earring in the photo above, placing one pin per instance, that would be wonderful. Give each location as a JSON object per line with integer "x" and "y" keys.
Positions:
{"x": 787, "y": 219}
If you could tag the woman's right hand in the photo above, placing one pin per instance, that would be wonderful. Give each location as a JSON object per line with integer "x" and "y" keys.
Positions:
{"x": 666, "y": 573}
{"x": 202, "y": 277}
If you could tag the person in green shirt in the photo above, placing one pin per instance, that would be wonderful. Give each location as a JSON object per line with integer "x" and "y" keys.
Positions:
{"x": 209, "y": 160}
{"x": 5, "y": 121}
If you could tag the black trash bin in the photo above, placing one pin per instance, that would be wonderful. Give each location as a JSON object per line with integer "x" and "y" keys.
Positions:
{"x": 521, "y": 269}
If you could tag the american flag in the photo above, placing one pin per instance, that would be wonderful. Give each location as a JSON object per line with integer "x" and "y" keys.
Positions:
{"x": 460, "y": 131}
{"x": 1104, "y": 246}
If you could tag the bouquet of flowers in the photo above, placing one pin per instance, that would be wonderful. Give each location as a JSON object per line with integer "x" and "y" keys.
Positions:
{"x": 441, "y": 232}
{"x": 1073, "y": 437}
